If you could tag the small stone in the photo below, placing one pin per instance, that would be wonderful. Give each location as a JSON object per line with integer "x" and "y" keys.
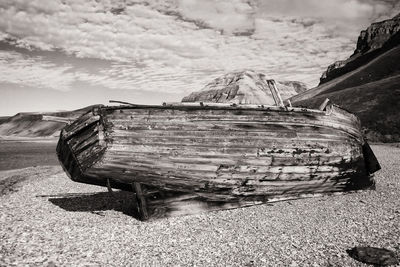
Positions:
{"x": 372, "y": 255}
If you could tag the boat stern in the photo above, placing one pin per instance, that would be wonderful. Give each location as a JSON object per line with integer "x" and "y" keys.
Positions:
{"x": 80, "y": 147}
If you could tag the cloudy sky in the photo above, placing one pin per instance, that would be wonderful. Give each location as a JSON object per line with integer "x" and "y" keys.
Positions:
{"x": 66, "y": 54}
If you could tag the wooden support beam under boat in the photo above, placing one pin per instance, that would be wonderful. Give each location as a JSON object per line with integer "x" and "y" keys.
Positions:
{"x": 140, "y": 201}
{"x": 109, "y": 188}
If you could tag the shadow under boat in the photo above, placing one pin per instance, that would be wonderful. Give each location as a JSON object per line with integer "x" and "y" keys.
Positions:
{"x": 96, "y": 203}
{"x": 158, "y": 203}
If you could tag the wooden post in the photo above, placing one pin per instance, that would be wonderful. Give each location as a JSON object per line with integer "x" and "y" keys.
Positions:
{"x": 109, "y": 187}
{"x": 275, "y": 93}
{"x": 322, "y": 107}
{"x": 140, "y": 201}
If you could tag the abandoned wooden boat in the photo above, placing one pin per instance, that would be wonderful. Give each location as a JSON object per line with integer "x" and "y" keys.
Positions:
{"x": 227, "y": 153}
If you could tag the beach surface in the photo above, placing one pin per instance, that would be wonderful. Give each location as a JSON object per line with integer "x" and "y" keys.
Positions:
{"x": 48, "y": 220}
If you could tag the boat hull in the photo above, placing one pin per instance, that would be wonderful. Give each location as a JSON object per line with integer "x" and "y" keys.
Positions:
{"x": 221, "y": 152}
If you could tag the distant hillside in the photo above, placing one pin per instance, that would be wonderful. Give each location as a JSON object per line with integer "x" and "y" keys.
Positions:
{"x": 368, "y": 83}
{"x": 3, "y": 119}
{"x": 31, "y": 124}
{"x": 244, "y": 87}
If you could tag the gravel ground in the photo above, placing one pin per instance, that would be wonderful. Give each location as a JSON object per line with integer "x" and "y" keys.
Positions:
{"x": 51, "y": 221}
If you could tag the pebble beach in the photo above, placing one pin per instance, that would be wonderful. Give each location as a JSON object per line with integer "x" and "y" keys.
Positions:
{"x": 48, "y": 220}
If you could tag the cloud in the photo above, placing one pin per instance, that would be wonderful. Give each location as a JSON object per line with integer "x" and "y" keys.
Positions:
{"x": 17, "y": 69}
{"x": 340, "y": 17}
{"x": 229, "y": 16}
{"x": 177, "y": 46}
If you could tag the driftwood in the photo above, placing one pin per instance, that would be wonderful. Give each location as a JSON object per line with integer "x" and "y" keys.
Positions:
{"x": 58, "y": 119}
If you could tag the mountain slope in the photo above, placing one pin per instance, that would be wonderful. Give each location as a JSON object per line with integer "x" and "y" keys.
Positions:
{"x": 368, "y": 83}
{"x": 383, "y": 66}
{"x": 372, "y": 42}
{"x": 3, "y": 119}
{"x": 31, "y": 124}
{"x": 244, "y": 87}
{"x": 375, "y": 103}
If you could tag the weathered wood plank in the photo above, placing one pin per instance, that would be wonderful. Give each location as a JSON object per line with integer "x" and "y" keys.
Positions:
{"x": 279, "y": 119}
{"x": 227, "y": 125}
{"x": 88, "y": 137}
{"x": 85, "y": 121}
{"x": 269, "y": 146}
{"x": 235, "y": 125}
{"x": 269, "y": 160}
{"x": 190, "y": 179}
{"x": 223, "y": 141}
{"x": 272, "y": 131}
{"x": 204, "y": 106}
{"x": 285, "y": 114}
